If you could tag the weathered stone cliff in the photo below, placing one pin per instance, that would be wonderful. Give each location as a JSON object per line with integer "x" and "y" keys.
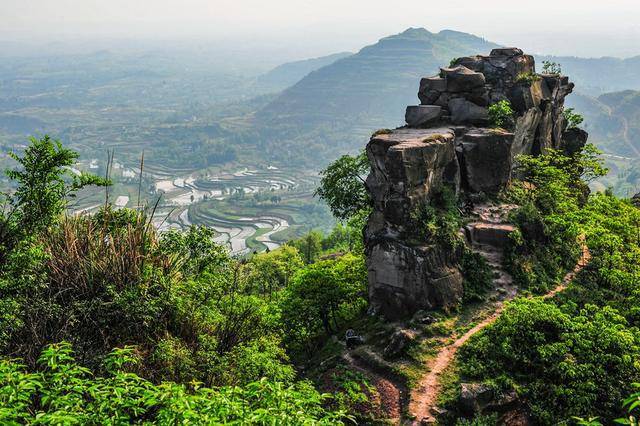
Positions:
{"x": 448, "y": 141}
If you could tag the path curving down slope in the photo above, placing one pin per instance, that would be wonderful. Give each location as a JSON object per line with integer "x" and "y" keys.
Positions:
{"x": 423, "y": 398}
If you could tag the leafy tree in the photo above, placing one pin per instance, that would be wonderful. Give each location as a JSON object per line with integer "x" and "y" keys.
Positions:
{"x": 271, "y": 271}
{"x": 574, "y": 120}
{"x": 309, "y": 246}
{"x": 321, "y": 296}
{"x": 45, "y": 182}
{"x": 197, "y": 247}
{"x": 342, "y": 186}
{"x": 347, "y": 237}
{"x": 550, "y": 67}
{"x": 554, "y": 179}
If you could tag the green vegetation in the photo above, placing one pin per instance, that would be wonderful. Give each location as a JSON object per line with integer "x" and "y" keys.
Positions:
{"x": 342, "y": 186}
{"x": 527, "y": 78}
{"x": 574, "y": 120}
{"x": 553, "y": 189}
{"x": 63, "y": 392}
{"x": 550, "y": 67}
{"x": 577, "y": 354}
{"x": 320, "y": 299}
{"x": 439, "y": 220}
{"x": 211, "y": 335}
{"x": 501, "y": 114}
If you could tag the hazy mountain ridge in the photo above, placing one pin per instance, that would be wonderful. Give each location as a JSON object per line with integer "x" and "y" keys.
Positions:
{"x": 613, "y": 120}
{"x": 289, "y": 73}
{"x": 372, "y": 85}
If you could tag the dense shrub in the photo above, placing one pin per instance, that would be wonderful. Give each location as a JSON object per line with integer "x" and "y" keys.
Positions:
{"x": 438, "y": 220}
{"x": 562, "y": 364}
{"x": 501, "y": 114}
{"x": 110, "y": 280}
{"x": 478, "y": 276}
{"x": 62, "y": 392}
{"x": 322, "y": 297}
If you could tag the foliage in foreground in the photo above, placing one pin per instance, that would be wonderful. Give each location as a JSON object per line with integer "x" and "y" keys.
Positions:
{"x": 65, "y": 393}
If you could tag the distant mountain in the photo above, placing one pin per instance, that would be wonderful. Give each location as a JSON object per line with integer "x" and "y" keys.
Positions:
{"x": 290, "y": 73}
{"x": 595, "y": 76}
{"x": 371, "y": 88}
{"x": 613, "y": 120}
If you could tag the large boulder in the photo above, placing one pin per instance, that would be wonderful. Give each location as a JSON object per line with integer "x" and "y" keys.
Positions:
{"x": 574, "y": 139}
{"x": 492, "y": 234}
{"x": 506, "y": 51}
{"x": 526, "y": 95}
{"x": 405, "y": 279}
{"x": 430, "y": 89}
{"x": 398, "y": 344}
{"x": 466, "y": 112}
{"x": 407, "y": 166}
{"x": 487, "y": 159}
{"x": 421, "y": 115}
{"x": 462, "y": 79}
{"x": 474, "y": 397}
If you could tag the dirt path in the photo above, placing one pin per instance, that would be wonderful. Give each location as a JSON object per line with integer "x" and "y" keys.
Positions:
{"x": 424, "y": 396}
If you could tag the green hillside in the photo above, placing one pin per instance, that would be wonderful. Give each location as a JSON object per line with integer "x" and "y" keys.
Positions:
{"x": 369, "y": 88}
{"x": 613, "y": 121}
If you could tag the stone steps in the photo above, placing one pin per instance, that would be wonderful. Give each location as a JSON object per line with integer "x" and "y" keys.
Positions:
{"x": 488, "y": 236}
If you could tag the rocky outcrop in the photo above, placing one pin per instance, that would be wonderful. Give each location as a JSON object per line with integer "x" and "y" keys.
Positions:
{"x": 448, "y": 141}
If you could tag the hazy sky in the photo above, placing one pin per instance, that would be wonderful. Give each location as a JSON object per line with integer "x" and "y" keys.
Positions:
{"x": 582, "y": 27}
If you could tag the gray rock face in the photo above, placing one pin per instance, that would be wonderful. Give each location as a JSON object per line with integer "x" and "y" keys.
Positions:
{"x": 573, "y": 140}
{"x": 447, "y": 143}
{"x": 506, "y": 51}
{"x": 487, "y": 159}
{"x": 462, "y": 79}
{"x": 409, "y": 278}
{"x": 490, "y": 234}
{"x": 407, "y": 166}
{"x": 466, "y": 112}
{"x": 420, "y": 115}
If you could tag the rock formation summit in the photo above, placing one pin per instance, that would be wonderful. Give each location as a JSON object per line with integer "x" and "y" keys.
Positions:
{"x": 450, "y": 141}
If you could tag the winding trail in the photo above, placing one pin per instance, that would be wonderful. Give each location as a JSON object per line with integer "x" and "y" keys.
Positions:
{"x": 423, "y": 397}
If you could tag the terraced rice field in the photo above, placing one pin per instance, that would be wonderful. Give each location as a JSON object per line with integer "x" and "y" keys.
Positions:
{"x": 250, "y": 209}
{"x": 224, "y": 202}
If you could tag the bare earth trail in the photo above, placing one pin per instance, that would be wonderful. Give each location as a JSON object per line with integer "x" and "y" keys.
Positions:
{"x": 423, "y": 397}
